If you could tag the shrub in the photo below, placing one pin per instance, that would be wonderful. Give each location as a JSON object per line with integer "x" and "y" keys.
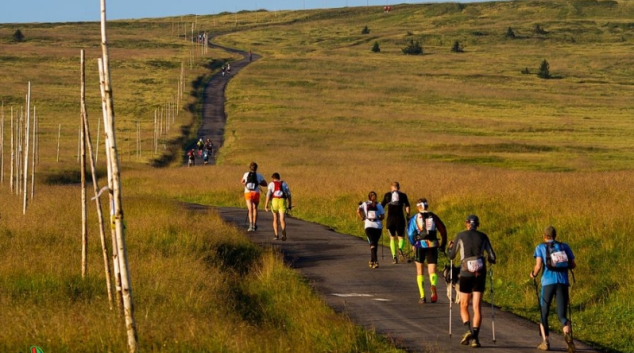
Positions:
{"x": 526, "y": 71}
{"x": 539, "y": 30}
{"x": 365, "y": 30}
{"x": 409, "y": 33}
{"x": 18, "y": 36}
{"x": 510, "y": 33}
{"x": 413, "y": 48}
{"x": 376, "y": 48}
{"x": 544, "y": 70}
{"x": 457, "y": 48}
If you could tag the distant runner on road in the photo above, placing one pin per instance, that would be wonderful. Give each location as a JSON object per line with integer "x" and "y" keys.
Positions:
{"x": 277, "y": 195}
{"x": 191, "y": 158}
{"x": 471, "y": 244}
{"x": 396, "y": 202}
{"x": 371, "y": 213}
{"x": 556, "y": 259}
{"x": 252, "y": 180}
{"x": 422, "y": 233}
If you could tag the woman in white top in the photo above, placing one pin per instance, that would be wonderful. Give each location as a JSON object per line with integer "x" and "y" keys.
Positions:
{"x": 252, "y": 180}
{"x": 372, "y": 213}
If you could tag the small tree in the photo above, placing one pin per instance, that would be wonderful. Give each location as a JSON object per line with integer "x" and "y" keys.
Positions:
{"x": 457, "y": 48}
{"x": 18, "y": 36}
{"x": 365, "y": 30}
{"x": 413, "y": 48}
{"x": 509, "y": 33}
{"x": 544, "y": 70}
{"x": 376, "y": 48}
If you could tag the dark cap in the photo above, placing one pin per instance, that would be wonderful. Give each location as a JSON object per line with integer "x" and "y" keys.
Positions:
{"x": 550, "y": 232}
{"x": 473, "y": 220}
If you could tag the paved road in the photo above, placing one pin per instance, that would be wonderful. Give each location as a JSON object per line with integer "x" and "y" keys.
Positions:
{"x": 385, "y": 299}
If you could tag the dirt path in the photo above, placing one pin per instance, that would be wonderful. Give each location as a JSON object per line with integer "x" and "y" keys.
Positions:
{"x": 383, "y": 299}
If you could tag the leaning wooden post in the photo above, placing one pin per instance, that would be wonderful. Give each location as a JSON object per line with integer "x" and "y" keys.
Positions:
{"x": 95, "y": 185}
{"x": 59, "y": 134}
{"x": 26, "y": 151}
{"x": 12, "y": 152}
{"x": 34, "y": 147}
{"x": 2, "y": 146}
{"x": 82, "y": 168}
{"x": 126, "y": 287}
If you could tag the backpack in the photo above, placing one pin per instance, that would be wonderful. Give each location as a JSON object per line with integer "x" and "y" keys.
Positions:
{"x": 278, "y": 190}
{"x": 252, "y": 181}
{"x": 370, "y": 211}
{"x": 190, "y": 154}
{"x": 556, "y": 257}
{"x": 428, "y": 227}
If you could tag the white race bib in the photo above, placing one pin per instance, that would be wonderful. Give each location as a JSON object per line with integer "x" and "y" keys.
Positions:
{"x": 371, "y": 215}
{"x": 558, "y": 257}
{"x": 475, "y": 265}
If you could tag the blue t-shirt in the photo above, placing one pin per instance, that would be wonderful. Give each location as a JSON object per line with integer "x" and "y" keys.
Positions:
{"x": 553, "y": 277}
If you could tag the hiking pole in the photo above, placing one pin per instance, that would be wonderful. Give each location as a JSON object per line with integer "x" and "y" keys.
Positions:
{"x": 450, "y": 292}
{"x": 492, "y": 307}
{"x": 539, "y": 305}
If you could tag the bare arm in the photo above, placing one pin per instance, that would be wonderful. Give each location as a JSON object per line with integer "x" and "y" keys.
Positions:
{"x": 537, "y": 268}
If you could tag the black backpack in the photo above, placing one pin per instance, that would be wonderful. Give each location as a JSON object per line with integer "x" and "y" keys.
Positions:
{"x": 252, "y": 181}
{"x": 556, "y": 257}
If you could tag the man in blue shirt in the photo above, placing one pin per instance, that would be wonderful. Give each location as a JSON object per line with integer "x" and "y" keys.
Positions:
{"x": 555, "y": 259}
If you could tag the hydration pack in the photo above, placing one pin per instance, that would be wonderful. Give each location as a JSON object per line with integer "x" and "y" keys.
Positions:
{"x": 556, "y": 257}
{"x": 426, "y": 225}
{"x": 252, "y": 181}
{"x": 370, "y": 211}
{"x": 278, "y": 190}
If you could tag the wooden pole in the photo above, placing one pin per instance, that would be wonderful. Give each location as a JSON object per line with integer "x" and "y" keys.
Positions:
{"x": 98, "y": 136}
{"x": 2, "y": 146}
{"x": 33, "y": 156}
{"x": 82, "y": 167}
{"x": 59, "y": 134}
{"x": 12, "y": 152}
{"x": 26, "y": 151}
{"x": 126, "y": 287}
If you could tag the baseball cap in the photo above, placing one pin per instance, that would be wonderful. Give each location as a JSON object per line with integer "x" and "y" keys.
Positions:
{"x": 473, "y": 219}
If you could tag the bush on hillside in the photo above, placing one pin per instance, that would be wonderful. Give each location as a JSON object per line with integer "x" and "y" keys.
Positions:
{"x": 18, "y": 36}
{"x": 539, "y": 29}
{"x": 457, "y": 48}
{"x": 526, "y": 71}
{"x": 376, "y": 48}
{"x": 509, "y": 33}
{"x": 413, "y": 48}
{"x": 544, "y": 70}
{"x": 365, "y": 30}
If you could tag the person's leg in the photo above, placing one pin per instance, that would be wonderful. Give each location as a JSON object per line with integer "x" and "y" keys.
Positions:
{"x": 464, "y": 315}
{"x": 548, "y": 293}
{"x": 563, "y": 297}
{"x": 275, "y": 217}
{"x": 392, "y": 244}
{"x": 250, "y": 207}
{"x": 256, "y": 202}
{"x": 433, "y": 281}
{"x": 420, "y": 280}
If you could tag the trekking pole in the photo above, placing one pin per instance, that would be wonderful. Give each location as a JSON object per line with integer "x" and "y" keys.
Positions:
{"x": 450, "y": 292}
{"x": 539, "y": 305}
{"x": 492, "y": 307}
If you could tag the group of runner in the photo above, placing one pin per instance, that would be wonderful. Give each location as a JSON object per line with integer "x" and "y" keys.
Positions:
{"x": 278, "y": 196}
{"x": 205, "y": 150}
{"x": 553, "y": 258}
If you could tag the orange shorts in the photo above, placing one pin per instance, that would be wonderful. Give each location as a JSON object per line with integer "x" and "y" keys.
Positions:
{"x": 252, "y": 196}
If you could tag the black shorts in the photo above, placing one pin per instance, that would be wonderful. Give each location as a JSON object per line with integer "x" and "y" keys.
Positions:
{"x": 470, "y": 284}
{"x": 395, "y": 225}
{"x": 431, "y": 254}
{"x": 373, "y": 235}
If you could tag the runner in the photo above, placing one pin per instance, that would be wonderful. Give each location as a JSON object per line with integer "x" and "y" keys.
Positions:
{"x": 210, "y": 147}
{"x": 191, "y": 158}
{"x": 555, "y": 259}
{"x": 396, "y": 202}
{"x": 422, "y": 233}
{"x": 277, "y": 195}
{"x": 252, "y": 180}
{"x": 472, "y": 244}
{"x": 371, "y": 213}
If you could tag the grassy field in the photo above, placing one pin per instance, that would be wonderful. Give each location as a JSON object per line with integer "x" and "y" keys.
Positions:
{"x": 469, "y": 131}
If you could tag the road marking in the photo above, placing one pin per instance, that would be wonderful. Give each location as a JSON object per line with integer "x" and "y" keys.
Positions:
{"x": 351, "y": 295}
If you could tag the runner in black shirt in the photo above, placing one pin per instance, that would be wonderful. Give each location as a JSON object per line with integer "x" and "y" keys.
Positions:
{"x": 396, "y": 202}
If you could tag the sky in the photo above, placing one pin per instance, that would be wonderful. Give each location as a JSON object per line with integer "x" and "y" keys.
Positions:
{"x": 26, "y": 11}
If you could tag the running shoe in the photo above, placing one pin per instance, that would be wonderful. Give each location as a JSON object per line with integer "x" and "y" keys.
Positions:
{"x": 475, "y": 343}
{"x": 376, "y": 265}
{"x": 255, "y": 227}
{"x": 283, "y": 234}
{"x": 434, "y": 295}
{"x": 394, "y": 260}
{"x": 276, "y": 238}
{"x": 371, "y": 264}
{"x": 544, "y": 346}
{"x": 466, "y": 339}
{"x": 570, "y": 343}
{"x": 422, "y": 300}
{"x": 250, "y": 228}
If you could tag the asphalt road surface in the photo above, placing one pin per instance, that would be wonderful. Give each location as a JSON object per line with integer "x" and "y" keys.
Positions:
{"x": 386, "y": 299}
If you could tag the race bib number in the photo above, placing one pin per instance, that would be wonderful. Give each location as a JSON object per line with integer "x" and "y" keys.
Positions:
{"x": 430, "y": 224}
{"x": 475, "y": 265}
{"x": 558, "y": 257}
{"x": 278, "y": 193}
{"x": 371, "y": 215}
{"x": 251, "y": 186}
